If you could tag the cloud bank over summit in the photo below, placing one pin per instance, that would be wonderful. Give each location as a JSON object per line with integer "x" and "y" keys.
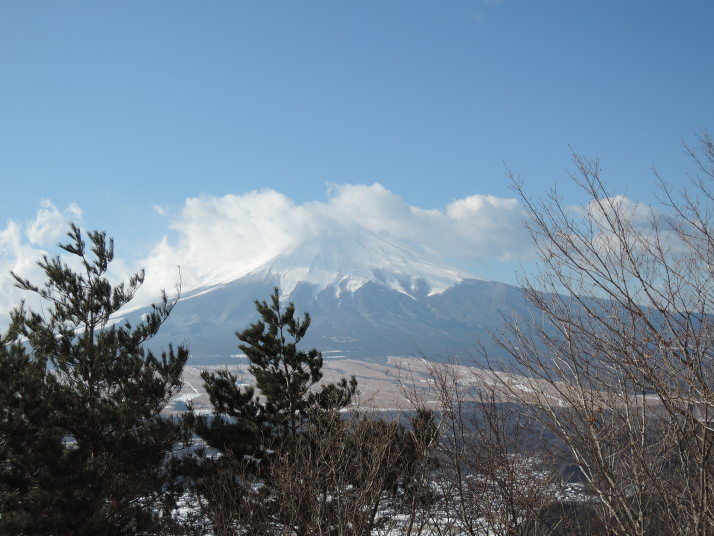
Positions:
{"x": 237, "y": 232}
{"x": 220, "y": 233}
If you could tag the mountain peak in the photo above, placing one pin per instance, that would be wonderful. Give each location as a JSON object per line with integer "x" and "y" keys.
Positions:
{"x": 346, "y": 259}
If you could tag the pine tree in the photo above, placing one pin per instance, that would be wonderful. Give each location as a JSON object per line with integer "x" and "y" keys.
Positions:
{"x": 254, "y": 426}
{"x": 285, "y": 377}
{"x": 83, "y": 446}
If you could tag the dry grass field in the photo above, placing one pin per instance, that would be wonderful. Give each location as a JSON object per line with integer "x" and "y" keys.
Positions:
{"x": 381, "y": 387}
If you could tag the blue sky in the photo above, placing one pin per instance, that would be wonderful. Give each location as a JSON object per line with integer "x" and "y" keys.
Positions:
{"x": 121, "y": 111}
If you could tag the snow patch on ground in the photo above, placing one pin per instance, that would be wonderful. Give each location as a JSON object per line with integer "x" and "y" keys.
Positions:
{"x": 187, "y": 397}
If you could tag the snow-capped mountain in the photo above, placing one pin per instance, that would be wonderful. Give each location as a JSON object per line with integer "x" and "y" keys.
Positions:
{"x": 345, "y": 257}
{"x": 349, "y": 261}
{"x": 369, "y": 298}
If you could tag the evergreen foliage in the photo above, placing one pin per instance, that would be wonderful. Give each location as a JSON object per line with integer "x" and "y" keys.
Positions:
{"x": 285, "y": 376}
{"x": 83, "y": 448}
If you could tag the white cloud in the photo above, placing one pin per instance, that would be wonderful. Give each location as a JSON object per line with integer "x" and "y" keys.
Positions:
{"x": 604, "y": 209}
{"x": 22, "y": 246}
{"x": 617, "y": 218}
{"x": 50, "y": 223}
{"x": 161, "y": 211}
{"x": 476, "y": 227}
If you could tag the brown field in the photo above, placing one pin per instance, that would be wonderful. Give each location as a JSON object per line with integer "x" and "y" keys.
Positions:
{"x": 384, "y": 387}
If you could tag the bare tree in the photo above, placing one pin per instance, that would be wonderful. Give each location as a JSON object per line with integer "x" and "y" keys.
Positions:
{"x": 485, "y": 469}
{"x": 340, "y": 477}
{"x": 619, "y": 349}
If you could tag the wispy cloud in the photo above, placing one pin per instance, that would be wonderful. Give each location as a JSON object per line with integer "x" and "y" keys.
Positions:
{"x": 161, "y": 211}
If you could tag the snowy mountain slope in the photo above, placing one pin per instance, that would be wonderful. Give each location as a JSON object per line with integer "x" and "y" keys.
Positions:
{"x": 369, "y": 298}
